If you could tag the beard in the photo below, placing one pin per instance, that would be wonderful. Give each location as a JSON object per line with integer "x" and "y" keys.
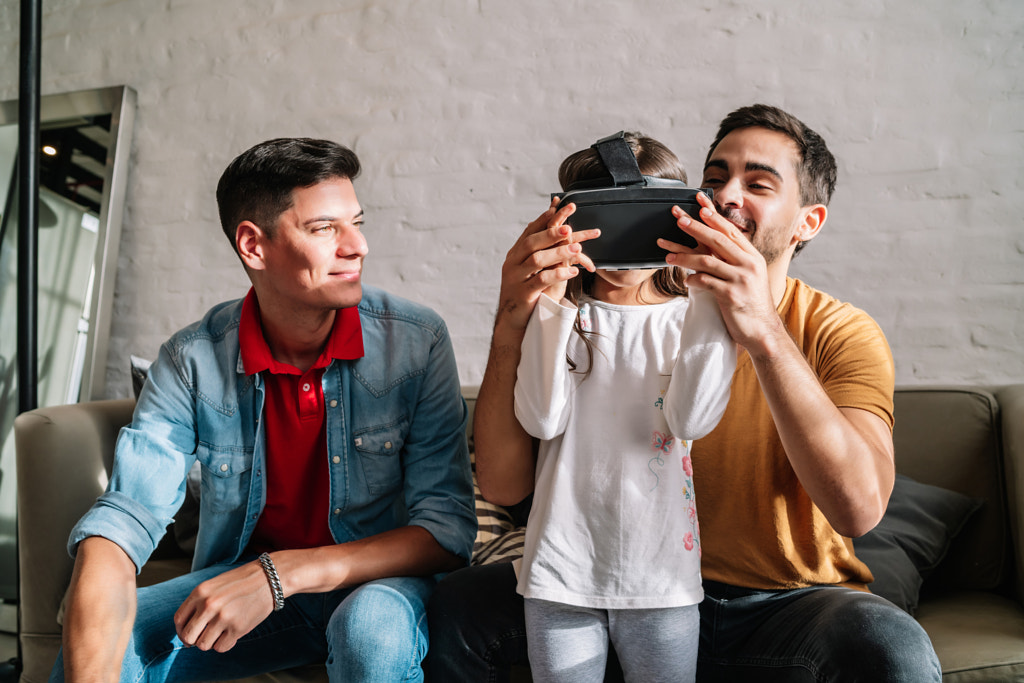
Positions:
{"x": 771, "y": 249}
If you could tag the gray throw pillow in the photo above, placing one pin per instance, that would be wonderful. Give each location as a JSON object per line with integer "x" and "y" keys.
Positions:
{"x": 919, "y": 524}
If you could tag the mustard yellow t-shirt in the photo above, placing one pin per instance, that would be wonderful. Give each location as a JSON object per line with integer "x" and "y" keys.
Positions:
{"x": 759, "y": 528}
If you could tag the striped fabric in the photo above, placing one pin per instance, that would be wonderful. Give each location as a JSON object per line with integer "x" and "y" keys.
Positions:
{"x": 498, "y": 539}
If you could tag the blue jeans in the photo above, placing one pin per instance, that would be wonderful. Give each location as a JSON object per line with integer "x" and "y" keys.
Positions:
{"x": 823, "y": 633}
{"x": 374, "y": 632}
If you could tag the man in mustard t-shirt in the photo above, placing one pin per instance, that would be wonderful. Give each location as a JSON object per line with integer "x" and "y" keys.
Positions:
{"x": 801, "y": 462}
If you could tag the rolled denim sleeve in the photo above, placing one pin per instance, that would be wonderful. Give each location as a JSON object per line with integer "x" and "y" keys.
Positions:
{"x": 151, "y": 460}
{"x": 438, "y": 481}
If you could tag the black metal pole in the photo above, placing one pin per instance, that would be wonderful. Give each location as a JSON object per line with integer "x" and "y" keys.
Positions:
{"x": 28, "y": 203}
{"x": 28, "y": 237}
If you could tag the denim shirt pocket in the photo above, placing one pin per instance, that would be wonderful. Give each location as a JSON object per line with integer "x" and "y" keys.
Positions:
{"x": 224, "y": 477}
{"x": 379, "y": 450}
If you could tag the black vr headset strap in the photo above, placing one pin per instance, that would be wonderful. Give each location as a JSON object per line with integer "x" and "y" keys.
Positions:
{"x": 619, "y": 160}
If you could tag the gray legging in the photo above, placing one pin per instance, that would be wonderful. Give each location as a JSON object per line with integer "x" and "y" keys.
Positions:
{"x": 568, "y": 643}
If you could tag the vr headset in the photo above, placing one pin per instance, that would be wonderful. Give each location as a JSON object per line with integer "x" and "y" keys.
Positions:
{"x": 632, "y": 210}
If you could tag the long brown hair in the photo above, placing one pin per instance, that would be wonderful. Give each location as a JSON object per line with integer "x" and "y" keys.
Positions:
{"x": 654, "y": 159}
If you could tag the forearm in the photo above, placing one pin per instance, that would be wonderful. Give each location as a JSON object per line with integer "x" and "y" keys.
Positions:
{"x": 504, "y": 451}
{"x": 842, "y": 456}
{"x": 407, "y": 551}
{"x": 100, "y": 612}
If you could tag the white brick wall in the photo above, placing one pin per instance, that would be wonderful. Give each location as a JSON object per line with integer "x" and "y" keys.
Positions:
{"x": 461, "y": 110}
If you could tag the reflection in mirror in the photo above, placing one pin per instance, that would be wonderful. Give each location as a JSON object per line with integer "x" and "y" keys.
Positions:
{"x": 85, "y": 142}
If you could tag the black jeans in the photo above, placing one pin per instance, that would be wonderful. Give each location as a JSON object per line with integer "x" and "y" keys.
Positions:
{"x": 827, "y": 633}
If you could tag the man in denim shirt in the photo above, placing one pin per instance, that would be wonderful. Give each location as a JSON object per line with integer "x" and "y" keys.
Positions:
{"x": 328, "y": 424}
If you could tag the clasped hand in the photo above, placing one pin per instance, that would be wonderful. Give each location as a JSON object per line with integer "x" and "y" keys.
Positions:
{"x": 223, "y": 609}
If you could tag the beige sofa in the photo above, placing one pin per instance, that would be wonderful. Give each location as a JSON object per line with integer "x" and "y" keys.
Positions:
{"x": 967, "y": 439}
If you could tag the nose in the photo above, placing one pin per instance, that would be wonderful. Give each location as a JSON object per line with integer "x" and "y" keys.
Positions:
{"x": 352, "y": 243}
{"x": 729, "y": 193}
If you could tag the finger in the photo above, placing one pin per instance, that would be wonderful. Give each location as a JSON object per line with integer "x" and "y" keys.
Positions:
{"x": 674, "y": 247}
{"x": 541, "y": 222}
{"x": 705, "y": 200}
{"x": 562, "y": 214}
{"x": 215, "y": 637}
{"x": 545, "y": 231}
{"x": 554, "y": 256}
{"x": 550, "y": 276}
{"x": 225, "y": 642}
{"x": 546, "y": 249}
{"x": 190, "y": 631}
{"x": 714, "y": 234}
{"x": 710, "y": 217}
{"x": 584, "y": 260}
{"x": 685, "y": 224}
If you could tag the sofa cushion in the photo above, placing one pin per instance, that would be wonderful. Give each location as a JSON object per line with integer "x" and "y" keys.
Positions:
{"x": 914, "y": 535}
{"x": 978, "y": 635}
{"x": 949, "y": 437}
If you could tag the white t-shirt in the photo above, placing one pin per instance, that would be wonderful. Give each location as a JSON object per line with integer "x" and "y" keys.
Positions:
{"x": 614, "y": 521}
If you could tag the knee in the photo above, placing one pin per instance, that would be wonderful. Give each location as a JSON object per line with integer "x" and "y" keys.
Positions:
{"x": 378, "y": 625}
{"x": 879, "y": 635}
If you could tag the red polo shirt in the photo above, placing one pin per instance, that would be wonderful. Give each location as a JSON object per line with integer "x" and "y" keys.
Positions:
{"x": 297, "y": 506}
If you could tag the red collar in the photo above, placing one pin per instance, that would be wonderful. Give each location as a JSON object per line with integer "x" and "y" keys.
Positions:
{"x": 344, "y": 343}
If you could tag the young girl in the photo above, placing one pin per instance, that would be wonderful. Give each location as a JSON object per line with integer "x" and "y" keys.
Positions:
{"x": 620, "y": 371}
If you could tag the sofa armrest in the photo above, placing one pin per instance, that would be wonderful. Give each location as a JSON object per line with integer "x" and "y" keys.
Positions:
{"x": 1011, "y": 405}
{"x": 64, "y": 455}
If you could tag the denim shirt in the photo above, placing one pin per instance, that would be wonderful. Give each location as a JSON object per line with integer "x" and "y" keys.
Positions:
{"x": 396, "y": 440}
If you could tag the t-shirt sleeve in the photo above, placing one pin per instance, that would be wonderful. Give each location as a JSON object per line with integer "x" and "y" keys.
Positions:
{"x": 543, "y": 386}
{"x": 855, "y": 364}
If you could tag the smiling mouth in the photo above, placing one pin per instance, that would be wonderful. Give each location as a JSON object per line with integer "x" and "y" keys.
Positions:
{"x": 747, "y": 227}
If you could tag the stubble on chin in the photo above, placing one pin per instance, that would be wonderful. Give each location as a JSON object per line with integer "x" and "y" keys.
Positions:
{"x": 771, "y": 252}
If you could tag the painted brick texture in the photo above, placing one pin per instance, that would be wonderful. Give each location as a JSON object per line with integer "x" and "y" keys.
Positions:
{"x": 461, "y": 111}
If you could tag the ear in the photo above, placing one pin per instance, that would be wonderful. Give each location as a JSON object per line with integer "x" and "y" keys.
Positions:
{"x": 813, "y": 218}
{"x": 249, "y": 239}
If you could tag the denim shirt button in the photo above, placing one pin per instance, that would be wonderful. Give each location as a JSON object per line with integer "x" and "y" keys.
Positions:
{"x": 334, "y": 404}
{"x": 336, "y": 460}
{"x": 337, "y": 511}
{"x": 224, "y": 467}
{"x": 387, "y": 445}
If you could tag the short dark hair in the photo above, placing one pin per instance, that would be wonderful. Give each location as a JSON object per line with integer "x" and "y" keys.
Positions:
{"x": 816, "y": 171}
{"x": 257, "y": 186}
